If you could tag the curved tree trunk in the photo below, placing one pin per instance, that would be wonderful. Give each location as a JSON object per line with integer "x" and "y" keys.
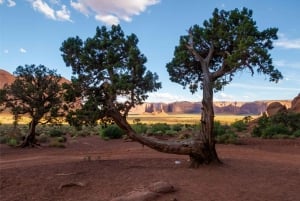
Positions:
{"x": 30, "y": 140}
{"x": 199, "y": 152}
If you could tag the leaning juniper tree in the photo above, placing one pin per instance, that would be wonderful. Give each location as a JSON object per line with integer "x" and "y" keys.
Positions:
{"x": 36, "y": 92}
{"x": 208, "y": 57}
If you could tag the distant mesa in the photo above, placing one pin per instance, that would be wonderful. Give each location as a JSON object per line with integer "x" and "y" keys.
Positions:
{"x": 186, "y": 107}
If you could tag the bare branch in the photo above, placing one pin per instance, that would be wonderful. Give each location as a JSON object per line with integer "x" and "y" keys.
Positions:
{"x": 190, "y": 47}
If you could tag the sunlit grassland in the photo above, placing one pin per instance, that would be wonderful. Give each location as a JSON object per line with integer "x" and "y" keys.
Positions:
{"x": 181, "y": 118}
{"x": 6, "y": 118}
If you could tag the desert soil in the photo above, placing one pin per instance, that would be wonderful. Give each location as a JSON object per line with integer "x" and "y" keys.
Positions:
{"x": 262, "y": 170}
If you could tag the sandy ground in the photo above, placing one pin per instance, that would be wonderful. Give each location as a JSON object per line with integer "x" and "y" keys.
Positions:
{"x": 262, "y": 170}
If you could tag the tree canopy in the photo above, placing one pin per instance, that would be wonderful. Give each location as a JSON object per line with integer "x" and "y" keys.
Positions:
{"x": 227, "y": 43}
{"x": 109, "y": 71}
{"x": 36, "y": 91}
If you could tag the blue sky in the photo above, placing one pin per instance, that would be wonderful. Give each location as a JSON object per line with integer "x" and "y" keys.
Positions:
{"x": 32, "y": 31}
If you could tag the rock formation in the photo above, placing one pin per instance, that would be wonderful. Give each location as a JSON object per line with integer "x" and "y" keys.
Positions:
{"x": 275, "y": 108}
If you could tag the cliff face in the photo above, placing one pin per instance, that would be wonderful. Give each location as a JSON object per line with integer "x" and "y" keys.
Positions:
{"x": 220, "y": 107}
{"x": 185, "y": 107}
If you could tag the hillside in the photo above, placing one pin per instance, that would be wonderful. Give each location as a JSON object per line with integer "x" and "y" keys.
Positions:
{"x": 182, "y": 107}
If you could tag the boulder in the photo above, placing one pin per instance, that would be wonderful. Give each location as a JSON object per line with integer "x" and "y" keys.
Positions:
{"x": 296, "y": 104}
{"x": 275, "y": 108}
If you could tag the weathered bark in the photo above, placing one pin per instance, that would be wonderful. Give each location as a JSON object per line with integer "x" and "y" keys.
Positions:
{"x": 199, "y": 152}
{"x": 30, "y": 140}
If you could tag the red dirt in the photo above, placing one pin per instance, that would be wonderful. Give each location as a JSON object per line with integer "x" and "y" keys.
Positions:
{"x": 257, "y": 170}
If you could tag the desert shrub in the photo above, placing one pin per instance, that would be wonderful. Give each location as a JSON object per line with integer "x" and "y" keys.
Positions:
{"x": 227, "y": 138}
{"x": 239, "y": 125}
{"x": 61, "y": 139}
{"x": 219, "y": 129}
{"x": 296, "y": 133}
{"x": 177, "y": 127}
{"x": 171, "y": 132}
{"x": 140, "y": 128}
{"x": 112, "y": 132}
{"x": 43, "y": 138}
{"x": 277, "y": 126}
{"x": 224, "y": 134}
{"x": 12, "y": 142}
{"x": 274, "y": 129}
{"x": 160, "y": 128}
{"x": 55, "y": 132}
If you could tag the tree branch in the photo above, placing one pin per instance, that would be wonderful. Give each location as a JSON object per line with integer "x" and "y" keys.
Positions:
{"x": 190, "y": 47}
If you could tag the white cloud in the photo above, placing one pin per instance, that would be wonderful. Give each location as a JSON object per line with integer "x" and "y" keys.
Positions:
{"x": 80, "y": 7}
{"x": 41, "y": 6}
{"x": 11, "y": 3}
{"x": 22, "y": 50}
{"x": 44, "y": 8}
{"x": 260, "y": 87}
{"x": 108, "y": 19}
{"x": 5, "y": 51}
{"x": 1, "y": 1}
{"x": 113, "y": 11}
{"x": 223, "y": 96}
{"x": 64, "y": 14}
{"x": 287, "y": 43}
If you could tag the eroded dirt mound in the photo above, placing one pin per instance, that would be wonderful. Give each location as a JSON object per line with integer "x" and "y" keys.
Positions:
{"x": 96, "y": 170}
{"x": 296, "y": 104}
{"x": 275, "y": 108}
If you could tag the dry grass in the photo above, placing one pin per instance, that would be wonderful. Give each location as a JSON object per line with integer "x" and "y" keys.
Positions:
{"x": 180, "y": 118}
{"x": 6, "y": 118}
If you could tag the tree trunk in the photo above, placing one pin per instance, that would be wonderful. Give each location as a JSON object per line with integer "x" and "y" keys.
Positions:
{"x": 206, "y": 133}
{"x": 30, "y": 140}
{"x": 199, "y": 152}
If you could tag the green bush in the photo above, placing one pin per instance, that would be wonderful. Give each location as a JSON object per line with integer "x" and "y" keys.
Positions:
{"x": 140, "y": 128}
{"x": 276, "y": 129}
{"x": 278, "y": 126}
{"x": 55, "y": 133}
{"x": 159, "y": 128}
{"x": 296, "y": 133}
{"x": 177, "y": 127}
{"x": 12, "y": 142}
{"x": 112, "y": 132}
{"x": 239, "y": 125}
{"x": 227, "y": 138}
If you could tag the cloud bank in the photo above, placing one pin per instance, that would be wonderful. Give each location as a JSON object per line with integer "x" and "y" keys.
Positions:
{"x": 113, "y": 11}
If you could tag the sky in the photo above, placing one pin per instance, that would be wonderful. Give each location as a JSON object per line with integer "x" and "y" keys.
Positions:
{"x": 32, "y": 31}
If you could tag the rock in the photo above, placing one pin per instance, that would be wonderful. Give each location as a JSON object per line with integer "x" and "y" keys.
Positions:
{"x": 275, "y": 108}
{"x": 161, "y": 187}
{"x": 137, "y": 196}
{"x": 295, "y": 107}
{"x": 150, "y": 193}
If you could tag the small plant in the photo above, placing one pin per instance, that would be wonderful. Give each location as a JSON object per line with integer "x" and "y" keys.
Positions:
{"x": 112, "y": 132}
{"x": 140, "y": 128}
{"x": 239, "y": 125}
{"x": 160, "y": 128}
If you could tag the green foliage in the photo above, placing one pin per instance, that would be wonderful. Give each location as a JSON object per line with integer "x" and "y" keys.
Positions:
{"x": 224, "y": 134}
{"x": 140, "y": 128}
{"x": 230, "y": 41}
{"x": 56, "y": 133}
{"x": 112, "y": 132}
{"x": 239, "y": 125}
{"x": 107, "y": 66}
{"x": 286, "y": 123}
{"x": 159, "y": 128}
{"x": 177, "y": 127}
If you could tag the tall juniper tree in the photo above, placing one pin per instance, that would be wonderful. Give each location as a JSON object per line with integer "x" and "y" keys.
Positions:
{"x": 36, "y": 91}
{"x": 208, "y": 57}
